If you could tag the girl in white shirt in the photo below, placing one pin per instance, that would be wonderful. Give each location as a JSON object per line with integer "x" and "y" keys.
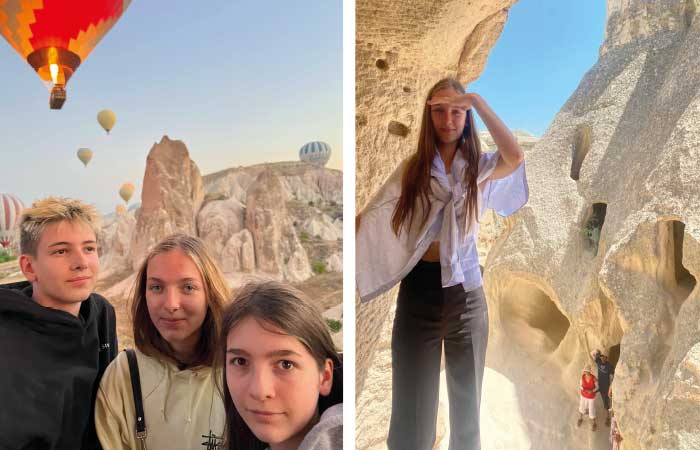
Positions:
{"x": 420, "y": 229}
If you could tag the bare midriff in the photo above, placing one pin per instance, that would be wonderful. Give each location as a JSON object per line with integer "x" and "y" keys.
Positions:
{"x": 433, "y": 252}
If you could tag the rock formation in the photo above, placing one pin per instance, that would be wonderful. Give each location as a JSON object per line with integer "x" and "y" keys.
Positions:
{"x": 218, "y": 221}
{"x": 275, "y": 220}
{"x": 115, "y": 244}
{"x": 300, "y": 181}
{"x": 607, "y": 252}
{"x": 171, "y": 197}
{"x": 278, "y": 251}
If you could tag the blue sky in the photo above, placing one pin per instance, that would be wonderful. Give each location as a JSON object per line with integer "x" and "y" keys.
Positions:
{"x": 239, "y": 82}
{"x": 545, "y": 49}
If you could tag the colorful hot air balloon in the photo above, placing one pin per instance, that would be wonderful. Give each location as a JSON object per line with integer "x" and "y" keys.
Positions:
{"x": 120, "y": 209}
{"x": 10, "y": 211}
{"x": 55, "y": 36}
{"x": 85, "y": 155}
{"x": 107, "y": 119}
{"x": 126, "y": 191}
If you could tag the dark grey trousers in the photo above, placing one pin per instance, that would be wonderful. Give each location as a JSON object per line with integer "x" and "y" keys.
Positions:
{"x": 426, "y": 316}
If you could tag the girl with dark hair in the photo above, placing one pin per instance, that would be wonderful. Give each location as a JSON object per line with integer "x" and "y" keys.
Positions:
{"x": 283, "y": 376}
{"x": 420, "y": 229}
{"x": 176, "y": 307}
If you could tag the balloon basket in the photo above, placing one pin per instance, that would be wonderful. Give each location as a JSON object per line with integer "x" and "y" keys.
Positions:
{"x": 58, "y": 97}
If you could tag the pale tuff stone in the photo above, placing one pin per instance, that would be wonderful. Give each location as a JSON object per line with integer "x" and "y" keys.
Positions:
{"x": 239, "y": 253}
{"x": 632, "y": 128}
{"x": 334, "y": 263}
{"x": 115, "y": 243}
{"x": 300, "y": 181}
{"x": 277, "y": 249}
{"x": 171, "y": 197}
{"x": 324, "y": 227}
{"x": 218, "y": 221}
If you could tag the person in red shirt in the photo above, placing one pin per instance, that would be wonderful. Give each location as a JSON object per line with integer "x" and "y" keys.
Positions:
{"x": 588, "y": 389}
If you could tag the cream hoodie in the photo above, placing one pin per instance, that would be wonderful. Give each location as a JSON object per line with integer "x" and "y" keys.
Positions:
{"x": 182, "y": 408}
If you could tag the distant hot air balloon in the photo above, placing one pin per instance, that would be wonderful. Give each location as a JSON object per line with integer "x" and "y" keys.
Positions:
{"x": 315, "y": 152}
{"x": 107, "y": 119}
{"x": 85, "y": 155}
{"x": 121, "y": 209}
{"x": 10, "y": 211}
{"x": 55, "y": 36}
{"x": 126, "y": 191}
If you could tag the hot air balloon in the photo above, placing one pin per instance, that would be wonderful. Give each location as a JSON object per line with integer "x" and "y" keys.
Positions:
{"x": 126, "y": 191}
{"x": 120, "y": 209}
{"x": 10, "y": 211}
{"x": 55, "y": 36}
{"x": 315, "y": 152}
{"x": 85, "y": 155}
{"x": 107, "y": 119}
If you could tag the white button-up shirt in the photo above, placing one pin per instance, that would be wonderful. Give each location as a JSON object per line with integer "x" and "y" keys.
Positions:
{"x": 459, "y": 258}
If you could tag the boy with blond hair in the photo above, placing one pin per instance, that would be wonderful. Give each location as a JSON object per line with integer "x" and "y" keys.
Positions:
{"x": 56, "y": 335}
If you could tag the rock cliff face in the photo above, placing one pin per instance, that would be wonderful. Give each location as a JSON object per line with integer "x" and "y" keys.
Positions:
{"x": 402, "y": 48}
{"x": 605, "y": 255}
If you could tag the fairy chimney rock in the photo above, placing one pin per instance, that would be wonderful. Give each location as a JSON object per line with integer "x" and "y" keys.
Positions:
{"x": 278, "y": 251}
{"x": 171, "y": 197}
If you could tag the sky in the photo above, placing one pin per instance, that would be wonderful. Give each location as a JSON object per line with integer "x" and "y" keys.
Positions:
{"x": 544, "y": 50}
{"x": 239, "y": 82}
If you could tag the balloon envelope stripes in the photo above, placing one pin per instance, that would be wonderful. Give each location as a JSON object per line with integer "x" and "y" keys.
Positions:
{"x": 10, "y": 210}
{"x": 315, "y": 152}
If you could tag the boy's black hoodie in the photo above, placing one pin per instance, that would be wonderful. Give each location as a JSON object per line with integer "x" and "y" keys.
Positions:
{"x": 51, "y": 363}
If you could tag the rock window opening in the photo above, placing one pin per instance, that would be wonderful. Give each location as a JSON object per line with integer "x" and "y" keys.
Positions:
{"x": 684, "y": 278}
{"x": 579, "y": 148}
{"x": 532, "y": 320}
{"x": 594, "y": 224}
{"x": 614, "y": 354}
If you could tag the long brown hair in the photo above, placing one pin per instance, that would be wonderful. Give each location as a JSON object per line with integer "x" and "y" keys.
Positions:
{"x": 415, "y": 183}
{"x": 146, "y": 336}
{"x": 287, "y": 309}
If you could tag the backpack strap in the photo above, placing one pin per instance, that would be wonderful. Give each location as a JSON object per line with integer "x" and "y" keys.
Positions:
{"x": 138, "y": 401}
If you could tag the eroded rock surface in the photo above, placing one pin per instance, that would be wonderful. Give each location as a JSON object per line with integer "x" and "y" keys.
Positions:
{"x": 606, "y": 254}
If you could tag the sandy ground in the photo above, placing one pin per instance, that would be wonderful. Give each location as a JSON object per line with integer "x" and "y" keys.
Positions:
{"x": 502, "y": 425}
{"x": 509, "y": 423}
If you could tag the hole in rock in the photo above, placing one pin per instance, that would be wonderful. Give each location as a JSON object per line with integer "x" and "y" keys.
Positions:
{"x": 579, "y": 149}
{"x": 684, "y": 279}
{"x": 531, "y": 319}
{"x": 593, "y": 225}
{"x": 614, "y": 354}
{"x": 674, "y": 277}
{"x": 398, "y": 129}
{"x": 382, "y": 64}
